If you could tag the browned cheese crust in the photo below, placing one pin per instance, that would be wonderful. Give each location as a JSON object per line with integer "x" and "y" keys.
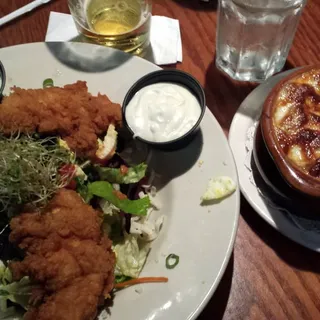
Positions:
{"x": 291, "y": 129}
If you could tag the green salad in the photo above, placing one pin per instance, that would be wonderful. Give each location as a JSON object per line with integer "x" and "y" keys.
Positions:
{"x": 33, "y": 169}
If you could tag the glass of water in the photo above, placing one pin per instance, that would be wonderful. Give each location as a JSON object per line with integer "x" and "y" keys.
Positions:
{"x": 254, "y": 36}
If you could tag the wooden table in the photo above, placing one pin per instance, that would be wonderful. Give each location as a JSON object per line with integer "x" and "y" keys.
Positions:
{"x": 269, "y": 276}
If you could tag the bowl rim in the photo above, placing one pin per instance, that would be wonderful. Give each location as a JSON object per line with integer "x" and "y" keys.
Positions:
{"x": 263, "y": 173}
{"x": 141, "y": 82}
{"x": 291, "y": 173}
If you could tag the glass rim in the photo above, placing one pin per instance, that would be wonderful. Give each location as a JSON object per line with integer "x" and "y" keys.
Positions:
{"x": 242, "y": 4}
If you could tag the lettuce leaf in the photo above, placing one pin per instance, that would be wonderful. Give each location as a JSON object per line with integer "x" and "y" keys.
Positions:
{"x": 11, "y": 313}
{"x": 112, "y": 221}
{"x": 113, "y": 175}
{"x": 82, "y": 189}
{"x": 131, "y": 256}
{"x": 5, "y": 274}
{"x": 18, "y": 292}
{"x": 108, "y": 208}
{"x": 104, "y": 189}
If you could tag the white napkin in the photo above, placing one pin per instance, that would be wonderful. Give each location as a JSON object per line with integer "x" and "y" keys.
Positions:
{"x": 165, "y": 36}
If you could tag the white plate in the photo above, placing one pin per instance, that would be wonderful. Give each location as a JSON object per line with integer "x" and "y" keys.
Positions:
{"x": 203, "y": 237}
{"x": 245, "y": 117}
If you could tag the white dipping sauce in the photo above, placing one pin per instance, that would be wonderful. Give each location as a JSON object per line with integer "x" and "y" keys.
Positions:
{"x": 162, "y": 112}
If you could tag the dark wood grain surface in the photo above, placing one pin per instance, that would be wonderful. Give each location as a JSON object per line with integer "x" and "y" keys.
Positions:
{"x": 269, "y": 276}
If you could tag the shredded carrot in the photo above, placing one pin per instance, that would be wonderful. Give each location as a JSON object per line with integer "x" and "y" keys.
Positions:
{"x": 119, "y": 194}
{"x": 139, "y": 280}
{"x": 123, "y": 169}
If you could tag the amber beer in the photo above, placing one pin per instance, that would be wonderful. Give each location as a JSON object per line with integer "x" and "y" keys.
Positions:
{"x": 122, "y": 24}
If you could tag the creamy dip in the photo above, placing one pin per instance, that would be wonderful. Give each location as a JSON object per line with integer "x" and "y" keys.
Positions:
{"x": 162, "y": 112}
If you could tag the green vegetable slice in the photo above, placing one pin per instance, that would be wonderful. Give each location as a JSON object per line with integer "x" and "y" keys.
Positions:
{"x": 82, "y": 189}
{"x": 121, "y": 278}
{"x": 113, "y": 175}
{"x": 104, "y": 189}
{"x": 47, "y": 83}
{"x": 172, "y": 261}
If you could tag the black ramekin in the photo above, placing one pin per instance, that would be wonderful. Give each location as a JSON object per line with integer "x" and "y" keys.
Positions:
{"x": 171, "y": 76}
{"x": 272, "y": 184}
{"x": 2, "y": 80}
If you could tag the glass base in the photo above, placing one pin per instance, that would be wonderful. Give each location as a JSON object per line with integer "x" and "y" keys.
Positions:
{"x": 249, "y": 75}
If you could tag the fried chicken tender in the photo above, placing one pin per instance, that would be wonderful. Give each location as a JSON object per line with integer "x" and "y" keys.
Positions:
{"x": 67, "y": 255}
{"x": 77, "y": 301}
{"x": 70, "y": 112}
{"x": 66, "y": 215}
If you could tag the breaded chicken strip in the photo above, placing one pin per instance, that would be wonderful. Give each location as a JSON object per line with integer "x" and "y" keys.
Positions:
{"x": 70, "y": 112}
{"x": 66, "y": 215}
{"x": 71, "y": 259}
{"x": 64, "y": 246}
{"x": 77, "y": 301}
